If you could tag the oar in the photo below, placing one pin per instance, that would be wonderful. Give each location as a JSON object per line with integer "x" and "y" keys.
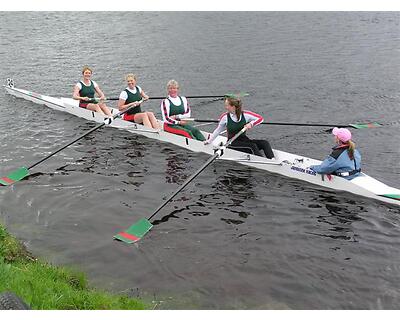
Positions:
{"x": 350, "y": 125}
{"x": 136, "y": 231}
{"x": 22, "y": 172}
{"x": 226, "y": 95}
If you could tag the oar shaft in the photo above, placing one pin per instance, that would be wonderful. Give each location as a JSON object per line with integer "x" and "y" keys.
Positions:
{"x": 306, "y": 124}
{"x": 284, "y": 123}
{"x": 194, "y": 175}
{"x": 200, "y": 97}
{"x": 189, "y": 97}
{"x": 78, "y": 138}
{"x": 66, "y": 145}
{"x": 190, "y": 179}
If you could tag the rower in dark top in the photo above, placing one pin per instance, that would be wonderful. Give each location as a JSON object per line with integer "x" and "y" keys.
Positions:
{"x": 85, "y": 90}
{"x": 345, "y": 160}
{"x": 132, "y": 96}
{"x": 233, "y": 121}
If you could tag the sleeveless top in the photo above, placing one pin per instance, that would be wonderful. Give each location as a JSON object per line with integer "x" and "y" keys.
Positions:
{"x": 87, "y": 91}
{"x": 234, "y": 127}
{"x": 132, "y": 97}
{"x": 176, "y": 109}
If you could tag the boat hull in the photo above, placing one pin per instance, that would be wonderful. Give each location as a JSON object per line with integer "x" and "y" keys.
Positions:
{"x": 286, "y": 164}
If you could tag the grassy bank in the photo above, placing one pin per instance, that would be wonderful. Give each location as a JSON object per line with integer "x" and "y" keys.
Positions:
{"x": 44, "y": 286}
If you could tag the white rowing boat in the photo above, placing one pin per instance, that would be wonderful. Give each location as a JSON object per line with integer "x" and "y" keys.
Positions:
{"x": 287, "y": 164}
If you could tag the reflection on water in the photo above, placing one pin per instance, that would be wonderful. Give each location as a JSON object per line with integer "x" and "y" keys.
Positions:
{"x": 230, "y": 191}
{"x": 103, "y": 154}
{"x": 336, "y": 214}
{"x": 238, "y": 183}
{"x": 176, "y": 165}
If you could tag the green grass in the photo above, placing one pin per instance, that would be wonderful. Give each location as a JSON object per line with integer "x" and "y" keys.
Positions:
{"x": 47, "y": 287}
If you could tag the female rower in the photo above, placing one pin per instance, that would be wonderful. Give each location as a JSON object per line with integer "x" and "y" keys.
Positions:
{"x": 131, "y": 97}
{"x": 174, "y": 110}
{"x": 233, "y": 121}
{"x": 85, "y": 90}
{"x": 345, "y": 160}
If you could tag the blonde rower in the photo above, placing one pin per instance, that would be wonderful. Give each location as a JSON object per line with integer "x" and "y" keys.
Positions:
{"x": 131, "y": 97}
{"x": 85, "y": 90}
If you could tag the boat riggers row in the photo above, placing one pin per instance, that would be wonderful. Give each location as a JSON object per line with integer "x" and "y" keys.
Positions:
{"x": 339, "y": 171}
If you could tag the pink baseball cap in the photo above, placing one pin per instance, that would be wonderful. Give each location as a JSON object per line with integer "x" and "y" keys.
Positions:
{"x": 343, "y": 134}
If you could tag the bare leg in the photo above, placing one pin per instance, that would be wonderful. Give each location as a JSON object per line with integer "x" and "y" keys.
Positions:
{"x": 95, "y": 107}
{"x": 153, "y": 120}
{"x": 106, "y": 110}
{"x": 143, "y": 118}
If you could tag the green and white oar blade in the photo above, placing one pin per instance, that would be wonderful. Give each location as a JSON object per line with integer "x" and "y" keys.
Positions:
{"x": 236, "y": 95}
{"x": 365, "y": 125}
{"x": 14, "y": 176}
{"x": 135, "y": 232}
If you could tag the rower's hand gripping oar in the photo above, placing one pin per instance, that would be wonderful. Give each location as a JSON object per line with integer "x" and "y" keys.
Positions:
{"x": 136, "y": 231}
{"x": 226, "y": 95}
{"x": 350, "y": 125}
{"x": 22, "y": 172}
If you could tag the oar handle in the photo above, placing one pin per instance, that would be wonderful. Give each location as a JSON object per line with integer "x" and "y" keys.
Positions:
{"x": 126, "y": 110}
{"x": 194, "y": 175}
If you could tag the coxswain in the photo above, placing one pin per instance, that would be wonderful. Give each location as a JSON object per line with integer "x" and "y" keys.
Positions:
{"x": 344, "y": 160}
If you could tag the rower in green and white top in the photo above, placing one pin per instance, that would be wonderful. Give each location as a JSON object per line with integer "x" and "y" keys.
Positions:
{"x": 174, "y": 110}
{"x": 85, "y": 90}
{"x": 131, "y": 97}
{"x": 233, "y": 121}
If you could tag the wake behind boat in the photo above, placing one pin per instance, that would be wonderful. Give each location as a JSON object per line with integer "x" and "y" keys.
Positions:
{"x": 287, "y": 164}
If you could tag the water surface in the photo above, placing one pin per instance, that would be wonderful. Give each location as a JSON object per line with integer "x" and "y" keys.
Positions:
{"x": 236, "y": 237}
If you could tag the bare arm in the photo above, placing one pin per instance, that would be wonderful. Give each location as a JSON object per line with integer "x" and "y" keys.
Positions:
{"x": 144, "y": 96}
{"x": 75, "y": 94}
{"x": 100, "y": 93}
{"x": 121, "y": 105}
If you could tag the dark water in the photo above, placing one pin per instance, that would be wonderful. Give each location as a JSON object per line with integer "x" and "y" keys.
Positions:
{"x": 236, "y": 237}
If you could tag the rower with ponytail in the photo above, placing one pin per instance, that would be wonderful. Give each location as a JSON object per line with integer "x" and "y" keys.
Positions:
{"x": 345, "y": 160}
{"x": 233, "y": 121}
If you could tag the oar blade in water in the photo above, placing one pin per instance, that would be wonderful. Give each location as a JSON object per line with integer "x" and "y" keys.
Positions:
{"x": 14, "y": 176}
{"x": 365, "y": 125}
{"x": 135, "y": 232}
